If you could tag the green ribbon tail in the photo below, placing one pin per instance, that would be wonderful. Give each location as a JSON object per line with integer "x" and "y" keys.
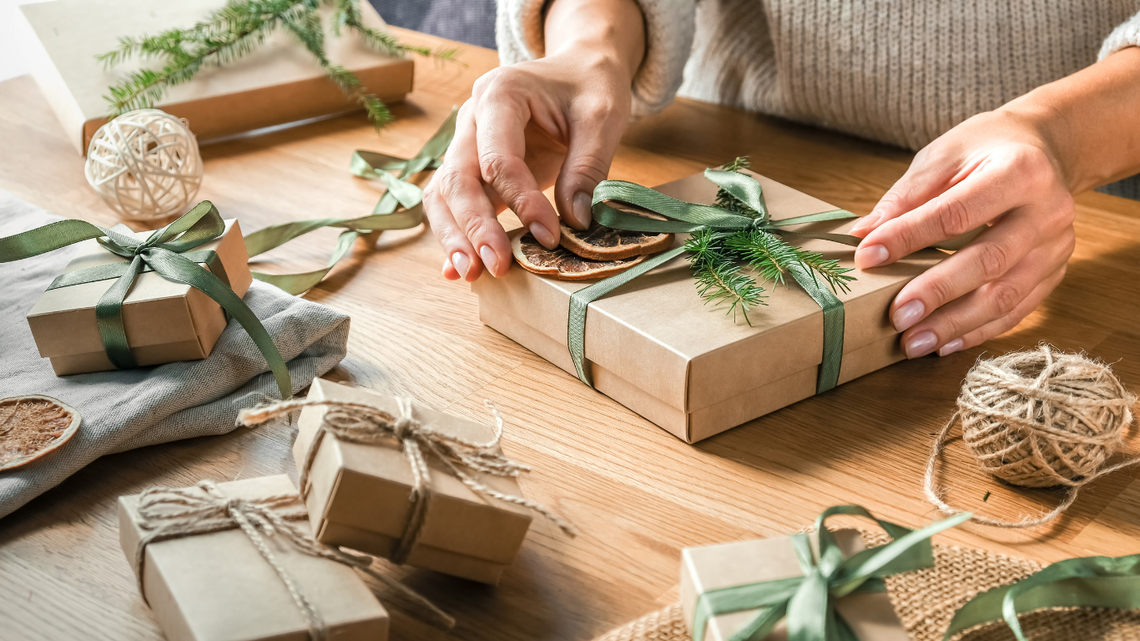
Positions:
{"x": 46, "y": 239}
{"x": 177, "y": 268}
{"x": 301, "y": 282}
{"x": 581, "y": 299}
{"x": 109, "y": 317}
{"x": 1089, "y": 582}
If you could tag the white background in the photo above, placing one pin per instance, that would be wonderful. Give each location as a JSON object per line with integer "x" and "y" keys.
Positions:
{"x": 11, "y": 39}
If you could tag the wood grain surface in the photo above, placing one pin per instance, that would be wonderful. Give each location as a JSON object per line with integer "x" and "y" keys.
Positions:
{"x": 638, "y": 494}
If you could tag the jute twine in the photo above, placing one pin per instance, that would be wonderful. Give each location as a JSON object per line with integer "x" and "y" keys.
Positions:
{"x": 1038, "y": 418}
{"x": 173, "y": 513}
{"x": 926, "y": 600}
{"x": 145, "y": 164}
{"x": 360, "y": 423}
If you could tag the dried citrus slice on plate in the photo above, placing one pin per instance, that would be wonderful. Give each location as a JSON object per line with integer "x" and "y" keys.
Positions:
{"x": 33, "y": 425}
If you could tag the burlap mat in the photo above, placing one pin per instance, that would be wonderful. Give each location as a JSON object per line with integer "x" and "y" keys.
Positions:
{"x": 926, "y": 601}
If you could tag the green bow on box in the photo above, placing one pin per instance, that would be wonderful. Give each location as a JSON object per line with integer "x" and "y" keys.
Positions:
{"x": 685, "y": 217}
{"x": 808, "y": 601}
{"x": 169, "y": 252}
{"x": 1090, "y": 582}
{"x": 400, "y": 193}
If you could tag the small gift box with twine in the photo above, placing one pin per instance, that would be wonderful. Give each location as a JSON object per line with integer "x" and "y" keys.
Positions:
{"x": 235, "y": 561}
{"x": 388, "y": 477}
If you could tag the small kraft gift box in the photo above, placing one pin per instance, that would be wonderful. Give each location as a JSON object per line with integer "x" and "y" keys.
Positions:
{"x": 165, "y": 321}
{"x": 654, "y": 346}
{"x": 276, "y": 84}
{"x": 390, "y": 493}
{"x": 215, "y": 566}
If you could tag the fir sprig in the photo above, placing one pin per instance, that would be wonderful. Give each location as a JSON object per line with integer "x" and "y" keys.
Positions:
{"x": 238, "y": 29}
{"x": 717, "y": 258}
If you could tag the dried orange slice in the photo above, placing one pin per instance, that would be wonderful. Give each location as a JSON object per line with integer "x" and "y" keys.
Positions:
{"x": 33, "y": 425}
{"x": 563, "y": 264}
{"x": 605, "y": 244}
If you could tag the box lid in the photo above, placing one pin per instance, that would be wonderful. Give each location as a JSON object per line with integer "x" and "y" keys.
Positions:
{"x": 372, "y": 483}
{"x": 657, "y": 334}
{"x": 218, "y": 586}
{"x": 156, "y": 311}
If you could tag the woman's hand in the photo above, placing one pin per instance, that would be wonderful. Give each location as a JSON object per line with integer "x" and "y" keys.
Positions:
{"x": 999, "y": 170}
{"x": 557, "y": 119}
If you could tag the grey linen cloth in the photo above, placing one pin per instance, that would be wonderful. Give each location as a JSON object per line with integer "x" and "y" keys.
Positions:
{"x": 126, "y": 409}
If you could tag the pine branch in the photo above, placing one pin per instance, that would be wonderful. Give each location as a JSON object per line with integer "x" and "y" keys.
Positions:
{"x": 238, "y": 29}
{"x": 772, "y": 257}
{"x": 718, "y": 275}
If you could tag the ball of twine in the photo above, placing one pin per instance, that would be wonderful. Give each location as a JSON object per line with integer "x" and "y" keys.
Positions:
{"x": 1038, "y": 418}
{"x": 145, "y": 164}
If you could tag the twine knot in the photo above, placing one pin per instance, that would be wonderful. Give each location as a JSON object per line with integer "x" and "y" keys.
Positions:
{"x": 366, "y": 424}
{"x": 166, "y": 513}
{"x": 1039, "y": 418}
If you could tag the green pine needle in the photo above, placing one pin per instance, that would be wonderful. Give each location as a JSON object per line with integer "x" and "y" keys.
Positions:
{"x": 238, "y": 29}
{"x": 719, "y": 278}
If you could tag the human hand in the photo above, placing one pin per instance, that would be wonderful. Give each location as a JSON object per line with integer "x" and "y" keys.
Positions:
{"x": 995, "y": 169}
{"x": 552, "y": 120}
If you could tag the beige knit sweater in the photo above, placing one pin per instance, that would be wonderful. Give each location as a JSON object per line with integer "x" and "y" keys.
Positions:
{"x": 900, "y": 72}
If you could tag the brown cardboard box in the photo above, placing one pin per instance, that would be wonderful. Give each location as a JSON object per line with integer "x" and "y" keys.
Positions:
{"x": 278, "y": 83}
{"x": 165, "y": 321}
{"x": 871, "y": 615}
{"x": 218, "y": 587}
{"x": 655, "y": 347}
{"x": 358, "y": 495}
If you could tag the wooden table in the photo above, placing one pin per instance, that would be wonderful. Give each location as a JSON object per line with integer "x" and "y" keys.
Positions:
{"x": 638, "y": 494}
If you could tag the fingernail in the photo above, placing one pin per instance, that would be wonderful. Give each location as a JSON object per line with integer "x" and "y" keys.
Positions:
{"x": 460, "y": 263}
{"x": 906, "y": 316}
{"x": 951, "y": 347}
{"x": 543, "y": 236}
{"x": 490, "y": 260}
{"x": 582, "y": 209}
{"x": 866, "y": 222}
{"x": 921, "y": 344}
{"x": 870, "y": 256}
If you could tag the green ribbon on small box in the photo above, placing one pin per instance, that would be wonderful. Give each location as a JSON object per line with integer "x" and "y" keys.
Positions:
{"x": 685, "y": 217}
{"x": 1090, "y": 582}
{"x": 808, "y": 601}
{"x": 385, "y": 216}
{"x": 168, "y": 251}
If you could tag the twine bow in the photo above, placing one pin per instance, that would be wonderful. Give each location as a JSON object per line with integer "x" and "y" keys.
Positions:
{"x": 685, "y": 217}
{"x": 168, "y": 252}
{"x": 173, "y": 513}
{"x": 808, "y": 601}
{"x": 361, "y": 423}
{"x": 386, "y": 215}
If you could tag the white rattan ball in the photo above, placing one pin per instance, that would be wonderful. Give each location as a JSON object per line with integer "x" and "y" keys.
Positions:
{"x": 145, "y": 164}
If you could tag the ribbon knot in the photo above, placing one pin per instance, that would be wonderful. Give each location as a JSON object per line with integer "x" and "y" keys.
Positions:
{"x": 808, "y": 601}
{"x": 169, "y": 251}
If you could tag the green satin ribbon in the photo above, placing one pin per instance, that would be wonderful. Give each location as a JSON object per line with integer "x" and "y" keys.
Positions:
{"x": 808, "y": 601}
{"x": 685, "y": 217}
{"x": 400, "y": 193}
{"x": 1090, "y": 582}
{"x": 168, "y": 252}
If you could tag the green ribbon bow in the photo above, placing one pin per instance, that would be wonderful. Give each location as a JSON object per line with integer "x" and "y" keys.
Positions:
{"x": 400, "y": 193}
{"x": 1090, "y": 582}
{"x": 167, "y": 252}
{"x": 808, "y": 601}
{"x": 685, "y": 217}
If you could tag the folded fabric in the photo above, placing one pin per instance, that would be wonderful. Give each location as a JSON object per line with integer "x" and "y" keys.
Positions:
{"x": 126, "y": 409}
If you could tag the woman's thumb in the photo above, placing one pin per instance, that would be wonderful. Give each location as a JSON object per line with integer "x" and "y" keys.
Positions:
{"x": 588, "y": 156}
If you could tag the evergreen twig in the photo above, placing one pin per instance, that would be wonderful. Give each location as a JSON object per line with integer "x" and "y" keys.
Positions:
{"x": 238, "y": 29}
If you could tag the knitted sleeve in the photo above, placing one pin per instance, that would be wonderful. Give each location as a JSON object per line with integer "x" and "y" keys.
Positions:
{"x": 1125, "y": 35}
{"x": 669, "y": 26}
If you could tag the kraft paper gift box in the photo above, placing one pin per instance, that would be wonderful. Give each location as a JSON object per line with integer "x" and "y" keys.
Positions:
{"x": 871, "y": 615}
{"x": 655, "y": 347}
{"x": 165, "y": 321}
{"x": 278, "y": 83}
{"x": 218, "y": 587}
{"x": 358, "y": 495}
